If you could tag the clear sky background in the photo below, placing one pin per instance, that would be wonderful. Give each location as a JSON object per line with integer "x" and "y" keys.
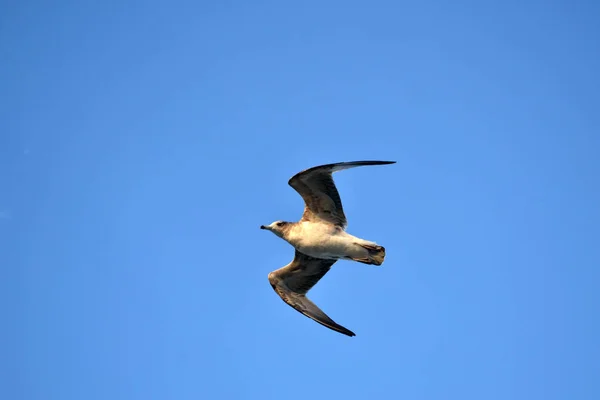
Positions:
{"x": 142, "y": 144}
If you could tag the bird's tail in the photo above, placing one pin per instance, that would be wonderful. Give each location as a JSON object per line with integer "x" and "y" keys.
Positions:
{"x": 375, "y": 253}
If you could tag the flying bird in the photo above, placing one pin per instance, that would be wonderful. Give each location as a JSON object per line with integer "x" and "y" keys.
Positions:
{"x": 319, "y": 239}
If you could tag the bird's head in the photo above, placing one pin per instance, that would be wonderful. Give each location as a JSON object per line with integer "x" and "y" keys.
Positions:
{"x": 278, "y": 227}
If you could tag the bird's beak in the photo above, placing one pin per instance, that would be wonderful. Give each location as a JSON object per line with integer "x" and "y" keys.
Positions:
{"x": 263, "y": 227}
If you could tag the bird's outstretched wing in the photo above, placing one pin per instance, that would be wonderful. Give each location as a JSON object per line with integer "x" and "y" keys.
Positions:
{"x": 293, "y": 281}
{"x": 321, "y": 197}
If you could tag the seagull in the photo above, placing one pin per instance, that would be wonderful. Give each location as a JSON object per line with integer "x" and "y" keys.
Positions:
{"x": 319, "y": 239}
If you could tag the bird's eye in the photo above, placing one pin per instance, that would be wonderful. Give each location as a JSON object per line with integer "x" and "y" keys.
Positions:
{"x": 280, "y": 224}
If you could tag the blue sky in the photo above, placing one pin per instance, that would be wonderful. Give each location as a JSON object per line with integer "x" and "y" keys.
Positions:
{"x": 142, "y": 144}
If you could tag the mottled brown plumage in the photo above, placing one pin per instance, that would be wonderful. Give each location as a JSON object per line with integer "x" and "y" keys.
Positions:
{"x": 321, "y": 197}
{"x": 293, "y": 281}
{"x": 319, "y": 239}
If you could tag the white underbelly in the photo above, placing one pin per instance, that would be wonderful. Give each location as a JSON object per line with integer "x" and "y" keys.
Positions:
{"x": 324, "y": 241}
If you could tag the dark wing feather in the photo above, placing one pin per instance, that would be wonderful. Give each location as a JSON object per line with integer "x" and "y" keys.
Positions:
{"x": 293, "y": 281}
{"x": 320, "y": 195}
